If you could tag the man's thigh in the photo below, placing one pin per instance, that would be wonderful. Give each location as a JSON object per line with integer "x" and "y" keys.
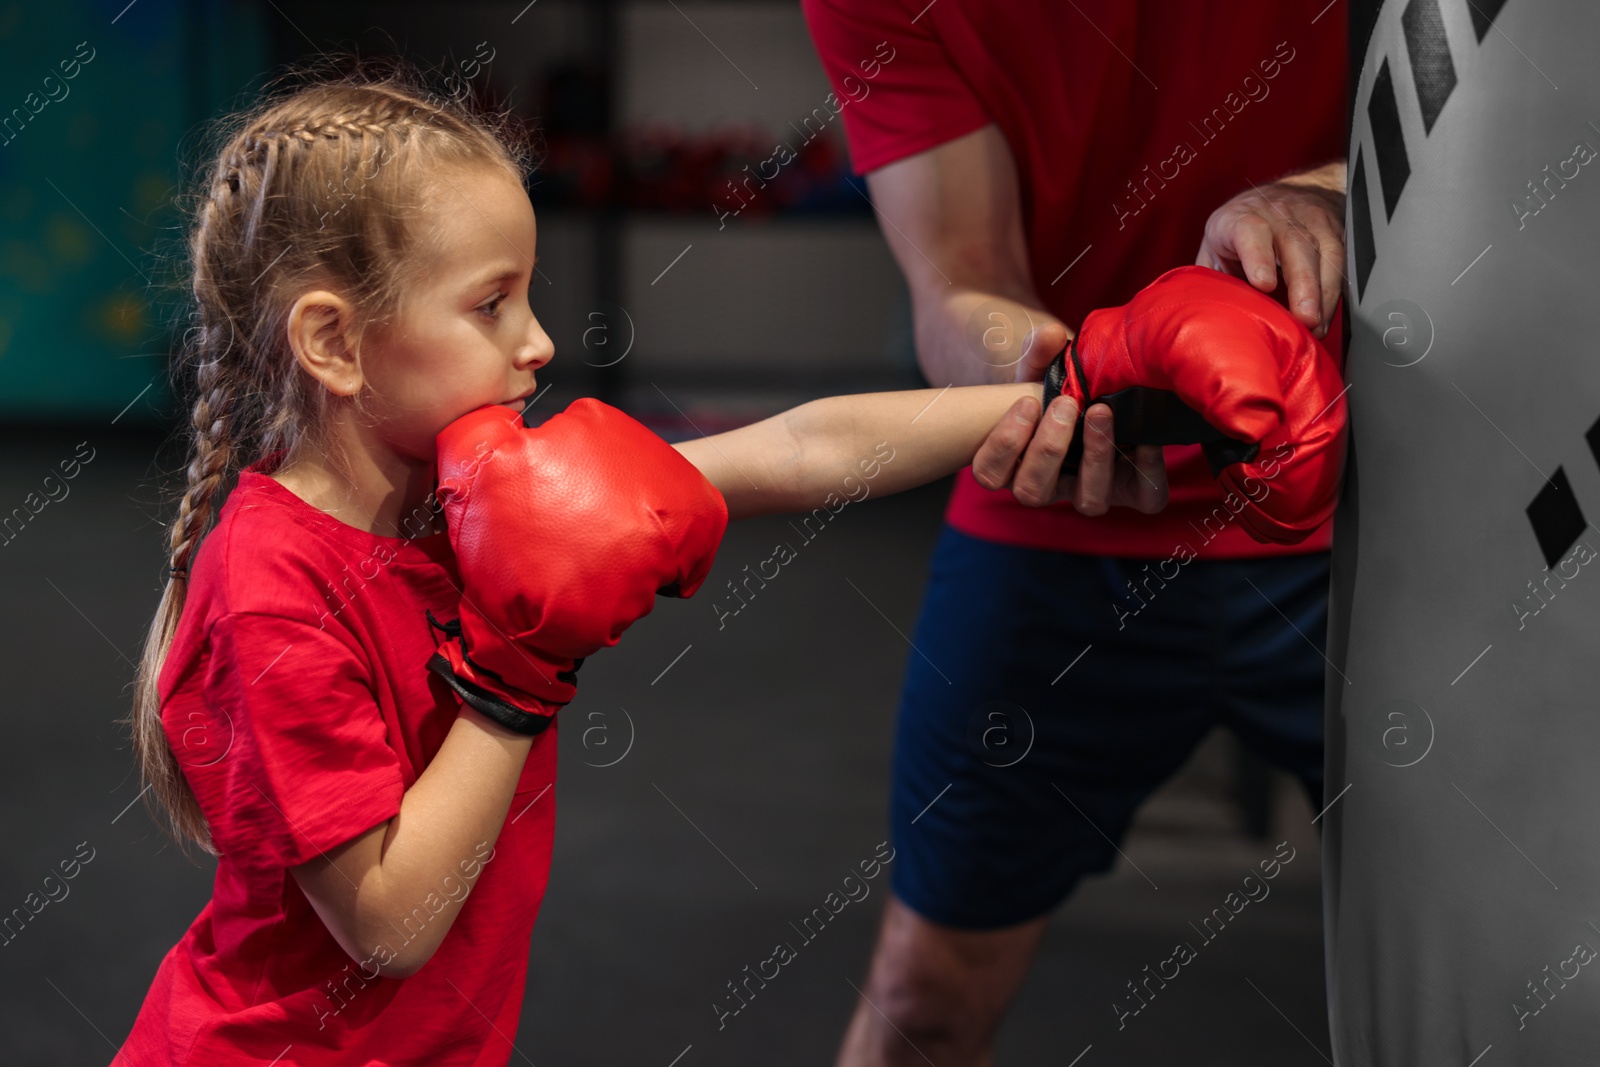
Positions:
{"x": 1044, "y": 700}
{"x": 1274, "y": 664}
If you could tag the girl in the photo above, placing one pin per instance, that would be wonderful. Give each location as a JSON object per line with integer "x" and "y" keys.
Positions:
{"x": 361, "y": 257}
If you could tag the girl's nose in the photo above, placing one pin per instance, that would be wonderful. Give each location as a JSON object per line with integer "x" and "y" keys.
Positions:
{"x": 537, "y": 349}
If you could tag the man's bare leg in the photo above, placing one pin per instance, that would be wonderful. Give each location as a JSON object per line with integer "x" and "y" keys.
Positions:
{"x": 936, "y": 993}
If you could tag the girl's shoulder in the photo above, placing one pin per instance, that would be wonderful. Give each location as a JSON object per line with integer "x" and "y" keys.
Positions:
{"x": 273, "y": 553}
{"x": 261, "y": 551}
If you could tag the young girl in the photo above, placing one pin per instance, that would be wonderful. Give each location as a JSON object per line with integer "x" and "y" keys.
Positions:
{"x": 361, "y": 258}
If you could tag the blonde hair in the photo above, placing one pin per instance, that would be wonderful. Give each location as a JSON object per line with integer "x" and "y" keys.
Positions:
{"x": 312, "y": 187}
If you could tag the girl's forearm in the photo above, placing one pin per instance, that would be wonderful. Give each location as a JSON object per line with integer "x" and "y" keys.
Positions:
{"x": 888, "y": 442}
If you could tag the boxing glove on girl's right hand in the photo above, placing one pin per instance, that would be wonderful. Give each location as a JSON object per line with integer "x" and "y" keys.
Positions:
{"x": 1199, "y": 356}
{"x": 564, "y": 535}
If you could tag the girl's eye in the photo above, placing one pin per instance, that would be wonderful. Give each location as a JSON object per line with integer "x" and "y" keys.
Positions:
{"x": 492, "y": 308}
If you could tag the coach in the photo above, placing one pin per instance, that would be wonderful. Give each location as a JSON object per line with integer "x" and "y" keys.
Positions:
{"x": 1030, "y": 162}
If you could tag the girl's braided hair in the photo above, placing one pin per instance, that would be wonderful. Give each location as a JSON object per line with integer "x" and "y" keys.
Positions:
{"x": 322, "y": 184}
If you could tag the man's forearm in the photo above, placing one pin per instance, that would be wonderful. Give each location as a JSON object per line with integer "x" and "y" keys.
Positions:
{"x": 1332, "y": 177}
{"x": 969, "y": 336}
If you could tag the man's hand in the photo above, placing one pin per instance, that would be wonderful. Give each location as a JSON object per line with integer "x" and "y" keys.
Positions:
{"x": 1297, "y": 222}
{"x": 1025, "y": 452}
{"x": 957, "y": 235}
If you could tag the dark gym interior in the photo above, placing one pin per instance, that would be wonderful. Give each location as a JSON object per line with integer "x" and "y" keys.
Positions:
{"x": 716, "y": 782}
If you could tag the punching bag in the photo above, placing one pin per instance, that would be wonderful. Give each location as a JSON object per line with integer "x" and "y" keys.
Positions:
{"x": 1462, "y": 836}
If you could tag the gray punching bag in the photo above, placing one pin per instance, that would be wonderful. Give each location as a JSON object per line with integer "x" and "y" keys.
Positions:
{"x": 1462, "y": 840}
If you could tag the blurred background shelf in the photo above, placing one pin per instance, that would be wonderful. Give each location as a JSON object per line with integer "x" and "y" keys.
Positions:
{"x": 672, "y": 225}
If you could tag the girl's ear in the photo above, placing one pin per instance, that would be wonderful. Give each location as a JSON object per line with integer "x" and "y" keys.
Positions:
{"x": 321, "y": 332}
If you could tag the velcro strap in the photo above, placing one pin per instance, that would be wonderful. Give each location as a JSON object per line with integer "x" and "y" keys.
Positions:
{"x": 451, "y": 664}
{"x": 1145, "y": 416}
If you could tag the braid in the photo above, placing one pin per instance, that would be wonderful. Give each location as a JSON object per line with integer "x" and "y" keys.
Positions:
{"x": 334, "y": 126}
{"x": 212, "y": 458}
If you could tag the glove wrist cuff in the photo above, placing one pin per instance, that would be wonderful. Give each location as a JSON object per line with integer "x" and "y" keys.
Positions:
{"x": 489, "y": 702}
{"x": 1065, "y": 375}
{"x": 488, "y": 693}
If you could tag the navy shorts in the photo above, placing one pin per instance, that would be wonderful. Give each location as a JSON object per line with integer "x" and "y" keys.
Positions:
{"x": 1043, "y": 702}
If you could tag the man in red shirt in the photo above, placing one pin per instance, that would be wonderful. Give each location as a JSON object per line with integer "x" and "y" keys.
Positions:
{"x": 1031, "y": 162}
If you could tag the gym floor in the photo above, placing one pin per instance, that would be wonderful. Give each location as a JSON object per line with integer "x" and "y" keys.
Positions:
{"x": 716, "y": 786}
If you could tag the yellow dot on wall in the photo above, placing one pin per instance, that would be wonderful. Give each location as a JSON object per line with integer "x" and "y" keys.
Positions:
{"x": 122, "y": 318}
{"x": 151, "y": 191}
{"x": 68, "y": 239}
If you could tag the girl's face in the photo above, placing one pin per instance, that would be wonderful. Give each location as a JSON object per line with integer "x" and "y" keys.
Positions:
{"x": 465, "y": 335}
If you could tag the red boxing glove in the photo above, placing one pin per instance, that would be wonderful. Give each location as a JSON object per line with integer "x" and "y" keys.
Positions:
{"x": 1198, "y": 356}
{"x": 564, "y": 535}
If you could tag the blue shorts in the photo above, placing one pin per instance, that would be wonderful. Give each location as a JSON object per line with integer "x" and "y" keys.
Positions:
{"x": 1043, "y": 702}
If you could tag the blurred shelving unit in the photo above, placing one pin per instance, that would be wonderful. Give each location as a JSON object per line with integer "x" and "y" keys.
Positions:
{"x": 98, "y": 113}
{"x": 706, "y": 257}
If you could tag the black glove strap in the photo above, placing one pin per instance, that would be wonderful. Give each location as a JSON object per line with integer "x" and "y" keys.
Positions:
{"x": 492, "y": 705}
{"x": 1144, "y": 416}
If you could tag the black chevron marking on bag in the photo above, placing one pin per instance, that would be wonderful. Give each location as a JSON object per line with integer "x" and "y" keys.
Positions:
{"x": 1388, "y": 142}
{"x": 1433, "y": 74}
{"x": 1366, "y": 248}
{"x": 1363, "y": 19}
{"x": 1432, "y": 70}
{"x": 1484, "y": 13}
{"x": 1557, "y": 519}
{"x": 1593, "y": 437}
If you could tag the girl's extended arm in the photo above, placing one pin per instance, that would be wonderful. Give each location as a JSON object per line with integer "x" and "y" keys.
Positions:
{"x": 795, "y": 460}
{"x": 365, "y": 889}
{"x": 842, "y": 447}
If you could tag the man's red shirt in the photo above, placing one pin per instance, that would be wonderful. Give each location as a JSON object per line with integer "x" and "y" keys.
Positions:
{"x": 1130, "y": 123}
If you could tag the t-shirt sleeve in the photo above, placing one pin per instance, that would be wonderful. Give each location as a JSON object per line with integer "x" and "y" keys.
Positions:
{"x": 898, "y": 92}
{"x": 307, "y": 763}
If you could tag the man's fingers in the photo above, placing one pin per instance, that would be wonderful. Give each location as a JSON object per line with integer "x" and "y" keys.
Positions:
{"x": 1042, "y": 345}
{"x": 1092, "y": 495}
{"x": 1150, "y": 479}
{"x": 1034, "y": 483}
{"x": 997, "y": 456}
{"x": 1333, "y": 260}
{"x": 1217, "y": 253}
{"x": 1293, "y": 225}
{"x": 1208, "y": 256}
{"x": 1302, "y": 270}
{"x": 1254, "y": 248}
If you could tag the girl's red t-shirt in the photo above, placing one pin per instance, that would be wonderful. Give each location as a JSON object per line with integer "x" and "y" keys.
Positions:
{"x": 298, "y": 703}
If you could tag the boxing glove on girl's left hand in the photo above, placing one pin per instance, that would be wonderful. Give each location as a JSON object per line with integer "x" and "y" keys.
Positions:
{"x": 564, "y": 535}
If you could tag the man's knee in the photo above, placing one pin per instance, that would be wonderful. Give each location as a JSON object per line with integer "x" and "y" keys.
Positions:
{"x": 928, "y": 1007}
{"x": 940, "y": 987}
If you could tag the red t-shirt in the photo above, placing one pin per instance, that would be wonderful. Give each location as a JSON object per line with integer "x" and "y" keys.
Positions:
{"x": 297, "y": 701}
{"x": 1130, "y": 123}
